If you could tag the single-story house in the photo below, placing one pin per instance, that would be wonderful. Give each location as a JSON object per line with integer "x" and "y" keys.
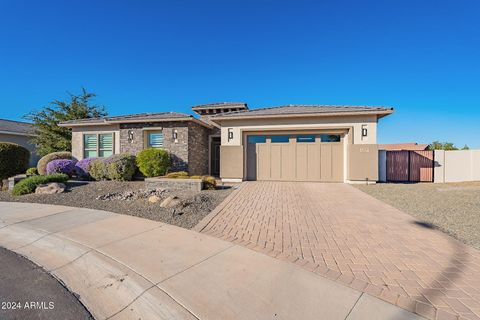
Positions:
{"x": 20, "y": 133}
{"x": 409, "y": 146}
{"x": 229, "y": 140}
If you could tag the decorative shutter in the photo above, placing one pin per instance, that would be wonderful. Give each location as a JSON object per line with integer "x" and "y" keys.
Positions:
{"x": 106, "y": 145}
{"x": 155, "y": 140}
{"x": 90, "y": 145}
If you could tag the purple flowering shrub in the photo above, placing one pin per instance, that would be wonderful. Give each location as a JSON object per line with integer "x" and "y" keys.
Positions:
{"x": 82, "y": 168}
{"x": 65, "y": 166}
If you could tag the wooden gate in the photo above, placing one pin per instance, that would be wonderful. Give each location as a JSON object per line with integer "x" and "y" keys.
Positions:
{"x": 410, "y": 166}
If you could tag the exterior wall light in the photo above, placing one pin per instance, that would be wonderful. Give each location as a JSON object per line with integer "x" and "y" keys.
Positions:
{"x": 230, "y": 134}
{"x": 175, "y": 134}
{"x": 130, "y": 136}
{"x": 364, "y": 130}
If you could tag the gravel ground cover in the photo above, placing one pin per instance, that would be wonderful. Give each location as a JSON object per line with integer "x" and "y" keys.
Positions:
{"x": 192, "y": 208}
{"x": 451, "y": 207}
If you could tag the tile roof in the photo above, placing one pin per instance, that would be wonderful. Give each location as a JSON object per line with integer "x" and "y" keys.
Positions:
{"x": 133, "y": 117}
{"x": 412, "y": 146}
{"x": 16, "y": 127}
{"x": 301, "y": 109}
{"x": 221, "y": 105}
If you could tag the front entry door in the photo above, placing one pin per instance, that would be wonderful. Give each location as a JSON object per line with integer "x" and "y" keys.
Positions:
{"x": 215, "y": 157}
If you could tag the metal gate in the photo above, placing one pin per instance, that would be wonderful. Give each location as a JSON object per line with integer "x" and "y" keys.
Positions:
{"x": 410, "y": 166}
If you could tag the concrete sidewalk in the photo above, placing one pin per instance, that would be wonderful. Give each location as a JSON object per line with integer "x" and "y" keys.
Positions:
{"x": 124, "y": 267}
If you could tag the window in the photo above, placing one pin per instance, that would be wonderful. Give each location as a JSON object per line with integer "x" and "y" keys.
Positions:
{"x": 280, "y": 139}
{"x": 97, "y": 145}
{"x": 305, "y": 139}
{"x": 155, "y": 139}
{"x": 90, "y": 145}
{"x": 257, "y": 139}
{"x": 330, "y": 137}
{"x": 106, "y": 145}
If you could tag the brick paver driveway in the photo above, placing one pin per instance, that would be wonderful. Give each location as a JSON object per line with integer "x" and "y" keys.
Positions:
{"x": 344, "y": 234}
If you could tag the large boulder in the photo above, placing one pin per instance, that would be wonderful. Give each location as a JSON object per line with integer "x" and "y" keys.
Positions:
{"x": 50, "y": 188}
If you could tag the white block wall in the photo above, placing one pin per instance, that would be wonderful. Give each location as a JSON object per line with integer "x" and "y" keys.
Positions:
{"x": 457, "y": 166}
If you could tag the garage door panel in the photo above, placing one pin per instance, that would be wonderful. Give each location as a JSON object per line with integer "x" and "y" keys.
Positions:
{"x": 263, "y": 162}
{"x": 326, "y": 162}
{"x": 313, "y": 160}
{"x": 337, "y": 162}
{"x": 276, "y": 161}
{"x": 288, "y": 162}
{"x": 301, "y": 166}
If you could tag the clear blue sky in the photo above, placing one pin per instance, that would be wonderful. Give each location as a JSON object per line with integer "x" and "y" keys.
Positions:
{"x": 421, "y": 57}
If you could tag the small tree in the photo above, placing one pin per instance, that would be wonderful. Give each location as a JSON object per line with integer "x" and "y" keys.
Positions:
{"x": 465, "y": 147}
{"x": 49, "y": 136}
{"x": 436, "y": 145}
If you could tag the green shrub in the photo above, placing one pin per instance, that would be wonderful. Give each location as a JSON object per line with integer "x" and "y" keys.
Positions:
{"x": 120, "y": 167}
{"x": 153, "y": 162}
{"x": 177, "y": 175}
{"x": 13, "y": 159}
{"x": 29, "y": 184}
{"x": 98, "y": 170}
{"x": 32, "y": 171}
{"x": 42, "y": 163}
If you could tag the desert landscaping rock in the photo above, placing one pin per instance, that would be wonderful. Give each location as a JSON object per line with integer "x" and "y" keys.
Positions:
{"x": 50, "y": 188}
{"x": 154, "y": 199}
{"x": 133, "y": 194}
{"x": 170, "y": 202}
{"x": 131, "y": 198}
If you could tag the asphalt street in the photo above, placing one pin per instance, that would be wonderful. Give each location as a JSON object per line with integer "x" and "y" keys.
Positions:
{"x": 29, "y": 292}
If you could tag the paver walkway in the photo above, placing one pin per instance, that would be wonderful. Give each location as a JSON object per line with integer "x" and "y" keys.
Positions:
{"x": 123, "y": 267}
{"x": 344, "y": 234}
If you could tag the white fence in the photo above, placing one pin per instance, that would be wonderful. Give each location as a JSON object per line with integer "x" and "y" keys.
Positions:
{"x": 457, "y": 166}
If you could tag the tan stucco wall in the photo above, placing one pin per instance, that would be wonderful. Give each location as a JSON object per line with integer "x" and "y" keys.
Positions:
{"x": 231, "y": 162}
{"x": 355, "y": 122}
{"x": 24, "y": 141}
{"x": 362, "y": 162}
{"x": 78, "y": 132}
{"x": 457, "y": 166}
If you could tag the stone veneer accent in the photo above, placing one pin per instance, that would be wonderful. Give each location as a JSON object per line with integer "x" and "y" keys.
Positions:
{"x": 198, "y": 148}
{"x": 174, "y": 184}
{"x": 189, "y": 152}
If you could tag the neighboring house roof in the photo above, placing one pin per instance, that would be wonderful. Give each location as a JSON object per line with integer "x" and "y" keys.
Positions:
{"x": 221, "y": 105}
{"x": 412, "y": 146}
{"x": 133, "y": 118}
{"x": 303, "y": 110}
{"x": 16, "y": 128}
